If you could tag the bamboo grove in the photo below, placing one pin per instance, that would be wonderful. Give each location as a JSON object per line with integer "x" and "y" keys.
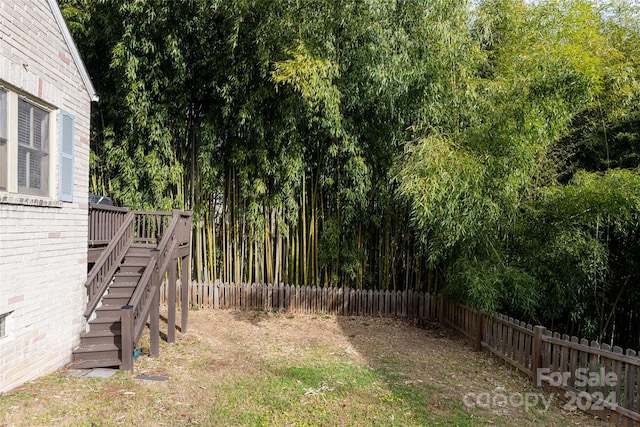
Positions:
{"x": 484, "y": 149}
{"x": 240, "y": 117}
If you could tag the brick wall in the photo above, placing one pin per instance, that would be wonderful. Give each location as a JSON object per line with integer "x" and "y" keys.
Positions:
{"x": 43, "y": 242}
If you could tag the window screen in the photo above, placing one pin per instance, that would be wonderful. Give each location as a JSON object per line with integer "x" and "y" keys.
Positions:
{"x": 33, "y": 146}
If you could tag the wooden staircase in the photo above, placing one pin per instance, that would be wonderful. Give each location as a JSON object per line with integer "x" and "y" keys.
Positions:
{"x": 131, "y": 251}
{"x": 101, "y": 346}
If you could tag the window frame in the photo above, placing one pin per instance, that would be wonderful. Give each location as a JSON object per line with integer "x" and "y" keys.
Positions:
{"x": 31, "y": 149}
{"x": 9, "y": 168}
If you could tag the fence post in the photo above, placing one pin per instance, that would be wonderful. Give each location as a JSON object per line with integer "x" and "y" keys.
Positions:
{"x": 538, "y": 332}
{"x": 126, "y": 326}
{"x": 479, "y": 330}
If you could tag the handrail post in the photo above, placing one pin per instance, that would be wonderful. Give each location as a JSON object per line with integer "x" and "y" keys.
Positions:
{"x": 154, "y": 321}
{"x": 126, "y": 325}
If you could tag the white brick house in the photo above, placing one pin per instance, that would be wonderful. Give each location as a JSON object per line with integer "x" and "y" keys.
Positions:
{"x": 45, "y": 101}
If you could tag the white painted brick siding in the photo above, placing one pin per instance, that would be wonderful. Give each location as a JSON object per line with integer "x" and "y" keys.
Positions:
{"x": 43, "y": 250}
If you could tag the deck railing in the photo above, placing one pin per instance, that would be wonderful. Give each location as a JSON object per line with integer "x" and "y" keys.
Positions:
{"x": 104, "y": 223}
{"x": 150, "y": 227}
{"x": 107, "y": 263}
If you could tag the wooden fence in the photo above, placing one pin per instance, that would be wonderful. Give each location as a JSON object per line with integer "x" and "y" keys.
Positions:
{"x": 597, "y": 379}
{"x": 589, "y": 376}
{"x": 311, "y": 299}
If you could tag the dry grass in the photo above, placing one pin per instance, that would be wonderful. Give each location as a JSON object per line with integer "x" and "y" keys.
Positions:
{"x": 255, "y": 368}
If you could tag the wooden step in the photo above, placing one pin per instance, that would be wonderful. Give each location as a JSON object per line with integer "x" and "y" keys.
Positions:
{"x": 137, "y": 259}
{"x": 132, "y": 268}
{"x": 116, "y": 298}
{"x": 105, "y": 324}
{"x": 140, "y": 250}
{"x": 126, "y": 277}
{"x": 93, "y": 338}
{"x": 97, "y": 352}
{"x": 108, "y": 311}
{"x": 123, "y": 288}
{"x": 99, "y": 363}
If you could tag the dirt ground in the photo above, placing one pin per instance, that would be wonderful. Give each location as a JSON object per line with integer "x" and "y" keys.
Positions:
{"x": 222, "y": 373}
{"x": 426, "y": 356}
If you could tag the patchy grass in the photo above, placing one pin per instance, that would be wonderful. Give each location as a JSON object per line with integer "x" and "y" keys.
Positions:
{"x": 261, "y": 369}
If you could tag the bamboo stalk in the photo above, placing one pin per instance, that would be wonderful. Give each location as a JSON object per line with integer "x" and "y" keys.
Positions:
{"x": 277, "y": 247}
{"x": 215, "y": 250}
{"x": 303, "y": 259}
{"x": 198, "y": 251}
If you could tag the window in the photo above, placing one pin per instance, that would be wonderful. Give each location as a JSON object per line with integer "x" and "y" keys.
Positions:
{"x": 33, "y": 146}
{"x": 33, "y": 141}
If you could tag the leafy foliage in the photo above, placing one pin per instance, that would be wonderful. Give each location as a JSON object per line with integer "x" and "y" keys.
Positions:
{"x": 519, "y": 202}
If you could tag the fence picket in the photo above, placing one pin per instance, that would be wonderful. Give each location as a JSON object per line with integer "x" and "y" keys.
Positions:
{"x": 405, "y": 304}
{"x": 387, "y": 301}
{"x": 617, "y": 369}
{"x": 307, "y": 299}
{"x": 345, "y": 304}
{"x": 549, "y": 357}
{"x": 364, "y": 297}
{"x": 332, "y": 300}
{"x": 504, "y": 336}
{"x": 629, "y": 385}
{"x": 520, "y": 344}
{"x": 584, "y": 362}
{"x": 564, "y": 356}
{"x": 224, "y": 296}
{"x": 637, "y": 409}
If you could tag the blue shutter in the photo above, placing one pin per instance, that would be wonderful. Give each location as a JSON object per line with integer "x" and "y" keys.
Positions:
{"x": 67, "y": 125}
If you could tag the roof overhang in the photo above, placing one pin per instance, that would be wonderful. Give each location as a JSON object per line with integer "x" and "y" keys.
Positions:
{"x": 57, "y": 14}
